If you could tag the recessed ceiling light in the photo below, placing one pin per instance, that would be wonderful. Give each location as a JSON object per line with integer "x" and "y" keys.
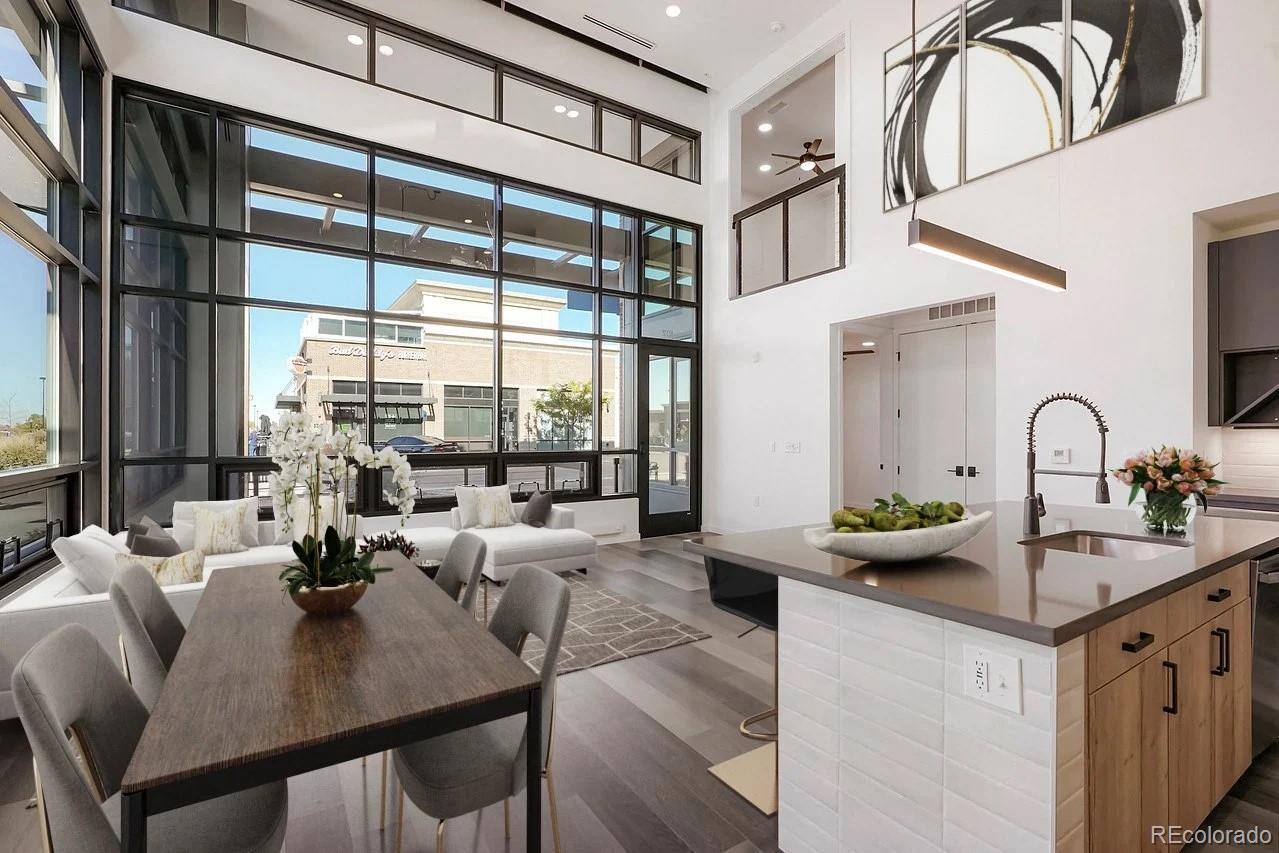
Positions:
{"x": 355, "y": 39}
{"x": 572, "y": 113}
{"x": 561, "y": 109}
{"x": 385, "y": 49}
{"x": 765, "y": 126}
{"x": 337, "y": 195}
{"x": 672, "y": 11}
{"x": 868, "y": 343}
{"x": 765, "y": 167}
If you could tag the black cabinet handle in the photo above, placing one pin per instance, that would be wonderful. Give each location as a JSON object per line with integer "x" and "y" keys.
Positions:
{"x": 1143, "y": 640}
{"x": 1220, "y": 595}
{"x": 1172, "y": 678}
{"x": 972, "y": 471}
{"x": 959, "y": 470}
{"x": 1223, "y": 651}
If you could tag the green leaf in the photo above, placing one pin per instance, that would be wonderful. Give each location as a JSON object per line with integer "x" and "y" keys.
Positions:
{"x": 1132, "y": 493}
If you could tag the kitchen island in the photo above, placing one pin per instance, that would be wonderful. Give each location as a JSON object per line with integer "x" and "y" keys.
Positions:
{"x": 1014, "y": 694}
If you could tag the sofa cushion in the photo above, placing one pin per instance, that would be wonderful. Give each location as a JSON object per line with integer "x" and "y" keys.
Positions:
{"x": 538, "y": 509}
{"x": 220, "y": 531}
{"x": 263, "y": 555}
{"x": 90, "y": 556}
{"x": 163, "y": 545}
{"x": 146, "y": 527}
{"x": 520, "y": 543}
{"x": 184, "y": 520}
{"x": 187, "y": 567}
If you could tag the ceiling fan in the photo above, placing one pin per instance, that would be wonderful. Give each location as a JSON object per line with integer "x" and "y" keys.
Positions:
{"x": 809, "y": 161}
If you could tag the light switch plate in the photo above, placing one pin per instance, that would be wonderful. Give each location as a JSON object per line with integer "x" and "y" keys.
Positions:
{"x": 993, "y": 678}
{"x": 1061, "y": 455}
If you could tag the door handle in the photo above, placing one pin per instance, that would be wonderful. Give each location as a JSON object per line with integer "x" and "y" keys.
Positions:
{"x": 1143, "y": 639}
{"x": 972, "y": 471}
{"x": 1223, "y": 651}
{"x": 958, "y": 470}
{"x": 1220, "y": 595}
{"x": 1172, "y": 679}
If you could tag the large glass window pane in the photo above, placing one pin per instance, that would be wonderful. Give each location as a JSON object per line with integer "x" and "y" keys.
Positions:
{"x": 436, "y": 395}
{"x": 667, "y": 152}
{"x": 291, "y": 275}
{"x": 670, "y": 260}
{"x": 27, "y": 59}
{"x": 560, "y": 478}
{"x": 298, "y": 31}
{"x": 23, "y": 182}
{"x": 547, "y": 237}
{"x": 617, "y": 316}
{"x": 617, "y": 247}
{"x": 29, "y": 353}
{"x": 271, "y": 182}
{"x": 556, "y": 309}
{"x": 760, "y": 236}
{"x": 617, "y": 396}
{"x": 166, "y": 162}
{"x": 440, "y": 482}
{"x": 164, "y": 409}
{"x": 434, "y": 215}
{"x": 669, "y": 434}
{"x": 812, "y": 231}
{"x": 26, "y": 520}
{"x": 555, "y": 406}
{"x": 187, "y": 13}
{"x": 617, "y": 135}
{"x": 669, "y": 322}
{"x": 272, "y": 361}
{"x": 169, "y": 260}
{"x": 435, "y": 75}
{"x": 617, "y": 474}
{"x": 424, "y": 292}
{"x": 547, "y": 111}
{"x": 150, "y": 490}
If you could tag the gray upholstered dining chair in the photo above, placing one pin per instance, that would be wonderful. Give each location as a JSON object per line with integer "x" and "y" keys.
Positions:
{"x": 150, "y": 632}
{"x": 67, "y": 689}
{"x": 461, "y": 567}
{"x": 464, "y": 771}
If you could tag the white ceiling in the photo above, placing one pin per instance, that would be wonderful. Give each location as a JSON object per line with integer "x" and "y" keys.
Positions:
{"x": 711, "y": 42}
{"x": 808, "y": 113}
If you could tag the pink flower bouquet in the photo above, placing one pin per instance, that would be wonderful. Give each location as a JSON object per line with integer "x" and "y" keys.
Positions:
{"x": 1168, "y": 476}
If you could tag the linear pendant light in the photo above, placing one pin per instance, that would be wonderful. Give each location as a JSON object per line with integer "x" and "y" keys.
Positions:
{"x": 933, "y": 238}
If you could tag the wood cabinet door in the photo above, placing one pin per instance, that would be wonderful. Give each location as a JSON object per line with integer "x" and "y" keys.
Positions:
{"x": 1190, "y": 730}
{"x": 1231, "y": 697}
{"x": 1128, "y": 759}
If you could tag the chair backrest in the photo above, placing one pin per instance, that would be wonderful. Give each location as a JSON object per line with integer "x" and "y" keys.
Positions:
{"x": 68, "y": 683}
{"x": 745, "y": 592}
{"x": 535, "y": 602}
{"x": 460, "y": 569}
{"x": 152, "y": 632}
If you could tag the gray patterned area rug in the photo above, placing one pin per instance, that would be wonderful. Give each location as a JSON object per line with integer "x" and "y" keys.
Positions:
{"x": 604, "y": 626}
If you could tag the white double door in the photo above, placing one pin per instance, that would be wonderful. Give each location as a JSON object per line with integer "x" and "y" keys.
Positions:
{"x": 946, "y": 414}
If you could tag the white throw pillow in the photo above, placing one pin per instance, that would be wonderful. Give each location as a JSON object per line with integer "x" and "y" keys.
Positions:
{"x": 184, "y": 520}
{"x": 493, "y": 507}
{"x": 218, "y": 531}
{"x": 468, "y": 505}
{"x": 90, "y": 556}
{"x": 187, "y": 567}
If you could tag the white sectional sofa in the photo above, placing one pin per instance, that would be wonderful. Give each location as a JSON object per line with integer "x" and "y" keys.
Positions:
{"x": 558, "y": 547}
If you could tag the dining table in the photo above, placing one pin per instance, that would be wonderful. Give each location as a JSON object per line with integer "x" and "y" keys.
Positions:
{"x": 260, "y": 691}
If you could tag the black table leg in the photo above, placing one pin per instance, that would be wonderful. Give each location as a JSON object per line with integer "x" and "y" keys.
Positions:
{"x": 534, "y": 772}
{"x": 133, "y": 823}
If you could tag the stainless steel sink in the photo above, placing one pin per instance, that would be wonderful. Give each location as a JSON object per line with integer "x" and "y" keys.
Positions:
{"x": 1106, "y": 544}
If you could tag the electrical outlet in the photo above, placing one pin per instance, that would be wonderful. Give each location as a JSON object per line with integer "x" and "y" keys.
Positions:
{"x": 1061, "y": 455}
{"x": 993, "y": 678}
{"x": 756, "y": 500}
{"x": 791, "y": 447}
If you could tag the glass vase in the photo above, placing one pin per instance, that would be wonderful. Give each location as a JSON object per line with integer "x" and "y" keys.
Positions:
{"x": 1167, "y": 513}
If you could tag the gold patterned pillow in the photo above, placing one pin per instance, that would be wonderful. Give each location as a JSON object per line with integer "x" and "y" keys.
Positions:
{"x": 217, "y": 531}
{"x": 187, "y": 567}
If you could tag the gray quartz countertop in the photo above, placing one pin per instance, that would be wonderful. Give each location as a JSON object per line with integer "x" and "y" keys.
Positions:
{"x": 996, "y": 582}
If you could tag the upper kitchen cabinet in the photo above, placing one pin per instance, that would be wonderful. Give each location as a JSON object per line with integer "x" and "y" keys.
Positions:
{"x": 1243, "y": 337}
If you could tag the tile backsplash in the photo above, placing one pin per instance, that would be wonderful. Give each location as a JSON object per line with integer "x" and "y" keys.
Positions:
{"x": 1250, "y": 461}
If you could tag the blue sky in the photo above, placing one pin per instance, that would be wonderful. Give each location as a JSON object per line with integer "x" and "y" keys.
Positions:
{"x": 24, "y": 345}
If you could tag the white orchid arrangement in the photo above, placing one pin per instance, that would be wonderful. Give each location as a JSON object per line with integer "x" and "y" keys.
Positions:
{"x": 315, "y": 462}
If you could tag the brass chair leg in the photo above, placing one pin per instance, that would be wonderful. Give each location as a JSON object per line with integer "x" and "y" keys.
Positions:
{"x": 399, "y": 823}
{"x": 382, "y": 806}
{"x": 744, "y": 726}
{"x": 484, "y": 584}
{"x": 506, "y": 817}
{"x": 555, "y": 812}
{"x": 124, "y": 661}
{"x": 46, "y": 837}
{"x": 439, "y": 838}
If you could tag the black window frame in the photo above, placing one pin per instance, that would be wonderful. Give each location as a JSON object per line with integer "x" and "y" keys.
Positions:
{"x": 371, "y": 501}
{"x": 373, "y": 23}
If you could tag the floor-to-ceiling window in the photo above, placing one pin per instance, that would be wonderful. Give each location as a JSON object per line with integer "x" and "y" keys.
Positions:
{"x": 485, "y": 327}
{"x": 51, "y": 255}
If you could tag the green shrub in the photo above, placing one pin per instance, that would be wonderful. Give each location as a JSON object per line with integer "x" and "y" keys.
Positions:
{"x": 24, "y": 450}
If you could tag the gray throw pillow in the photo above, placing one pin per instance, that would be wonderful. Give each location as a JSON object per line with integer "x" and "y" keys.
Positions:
{"x": 537, "y": 512}
{"x": 161, "y": 545}
{"x": 147, "y": 526}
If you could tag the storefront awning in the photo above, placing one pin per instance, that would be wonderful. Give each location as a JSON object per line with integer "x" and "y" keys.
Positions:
{"x": 387, "y": 408}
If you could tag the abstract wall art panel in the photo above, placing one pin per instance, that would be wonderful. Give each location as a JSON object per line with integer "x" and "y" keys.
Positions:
{"x": 1132, "y": 58}
{"x": 1015, "y": 56}
{"x": 938, "y": 100}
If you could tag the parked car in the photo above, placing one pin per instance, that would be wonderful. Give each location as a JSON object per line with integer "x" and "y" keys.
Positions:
{"x": 419, "y": 444}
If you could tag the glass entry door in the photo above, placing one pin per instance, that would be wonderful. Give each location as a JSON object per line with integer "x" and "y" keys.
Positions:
{"x": 669, "y": 437}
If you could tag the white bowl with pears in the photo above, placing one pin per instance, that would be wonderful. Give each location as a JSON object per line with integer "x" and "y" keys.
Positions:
{"x": 897, "y": 530}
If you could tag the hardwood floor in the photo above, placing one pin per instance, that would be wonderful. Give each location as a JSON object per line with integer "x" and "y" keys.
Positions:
{"x": 632, "y": 743}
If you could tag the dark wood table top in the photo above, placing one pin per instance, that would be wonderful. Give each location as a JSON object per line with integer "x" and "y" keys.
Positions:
{"x": 256, "y": 677}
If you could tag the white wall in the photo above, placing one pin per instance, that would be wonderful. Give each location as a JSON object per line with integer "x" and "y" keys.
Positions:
{"x": 1115, "y": 211}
